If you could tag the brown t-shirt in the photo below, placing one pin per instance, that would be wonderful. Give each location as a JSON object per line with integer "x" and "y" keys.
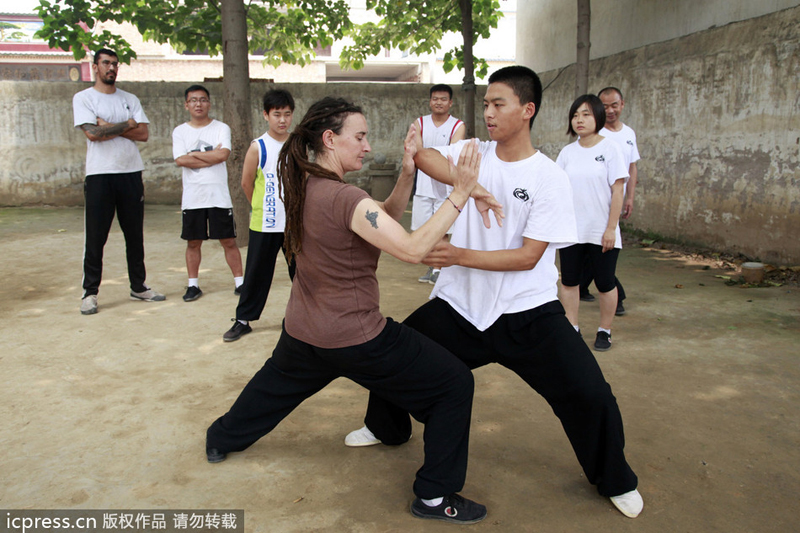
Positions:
{"x": 334, "y": 301}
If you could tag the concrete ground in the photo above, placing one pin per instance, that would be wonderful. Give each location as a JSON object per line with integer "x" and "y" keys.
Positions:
{"x": 109, "y": 411}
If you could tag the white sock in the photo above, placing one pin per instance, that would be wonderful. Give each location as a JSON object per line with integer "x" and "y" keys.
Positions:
{"x": 240, "y": 321}
{"x": 577, "y": 328}
{"x": 193, "y": 282}
{"x": 435, "y": 270}
{"x": 603, "y": 329}
{"x": 434, "y": 502}
{"x": 238, "y": 280}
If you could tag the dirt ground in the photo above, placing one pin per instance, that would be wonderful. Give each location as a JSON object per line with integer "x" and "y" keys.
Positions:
{"x": 109, "y": 411}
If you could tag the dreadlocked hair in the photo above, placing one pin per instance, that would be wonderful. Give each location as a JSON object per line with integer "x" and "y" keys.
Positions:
{"x": 297, "y": 161}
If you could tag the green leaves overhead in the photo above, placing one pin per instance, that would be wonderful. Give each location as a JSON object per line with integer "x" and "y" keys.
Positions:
{"x": 417, "y": 27}
{"x": 283, "y": 31}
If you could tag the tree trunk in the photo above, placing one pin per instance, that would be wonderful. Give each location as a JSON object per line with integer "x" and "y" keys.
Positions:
{"x": 469, "y": 67}
{"x": 237, "y": 112}
{"x": 584, "y": 43}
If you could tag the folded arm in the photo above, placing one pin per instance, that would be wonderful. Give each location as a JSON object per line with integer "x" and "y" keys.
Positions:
{"x": 204, "y": 159}
{"x": 104, "y": 131}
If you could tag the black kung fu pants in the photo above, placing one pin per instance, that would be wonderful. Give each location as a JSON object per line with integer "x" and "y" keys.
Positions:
{"x": 543, "y": 349}
{"x": 399, "y": 365}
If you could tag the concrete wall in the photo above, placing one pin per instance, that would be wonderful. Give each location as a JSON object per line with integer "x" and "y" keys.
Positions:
{"x": 44, "y": 155}
{"x": 717, "y": 115}
{"x": 550, "y": 26}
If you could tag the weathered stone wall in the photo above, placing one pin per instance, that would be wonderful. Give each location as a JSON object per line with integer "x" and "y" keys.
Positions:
{"x": 717, "y": 116}
{"x": 716, "y": 113}
{"x": 44, "y": 155}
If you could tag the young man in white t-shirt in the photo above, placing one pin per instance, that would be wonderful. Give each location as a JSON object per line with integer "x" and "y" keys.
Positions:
{"x": 113, "y": 121}
{"x": 201, "y": 147}
{"x": 439, "y": 128}
{"x": 625, "y": 137}
{"x": 497, "y": 300}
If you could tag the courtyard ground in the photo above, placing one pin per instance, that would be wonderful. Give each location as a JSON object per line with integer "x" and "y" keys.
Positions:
{"x": 109, "y": 411}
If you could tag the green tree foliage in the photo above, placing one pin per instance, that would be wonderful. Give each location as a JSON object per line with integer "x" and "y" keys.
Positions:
{"x": 417, "y": 27}
{"x": 284, "y": 31}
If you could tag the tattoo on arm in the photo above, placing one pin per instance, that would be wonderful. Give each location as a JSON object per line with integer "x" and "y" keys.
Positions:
{"x": 373, "y": 218}
{"x": 105, "y": 132}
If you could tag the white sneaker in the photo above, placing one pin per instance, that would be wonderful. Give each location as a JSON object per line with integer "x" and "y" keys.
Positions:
{"x": 426, "y": 277}
{"x": 89, "y": 305}
{"x": 630, "y": 504}
{"x": 148, "y": 295}
{"x": 361, "y": 437}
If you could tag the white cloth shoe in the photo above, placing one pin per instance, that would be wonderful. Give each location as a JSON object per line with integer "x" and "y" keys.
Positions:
{"x": 361, "y": 437}
{"x": 89, "y": 305}
{"x": 630, "y": 504}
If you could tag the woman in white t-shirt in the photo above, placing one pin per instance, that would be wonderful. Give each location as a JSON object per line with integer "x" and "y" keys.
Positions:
{"x": 597, "y": 172}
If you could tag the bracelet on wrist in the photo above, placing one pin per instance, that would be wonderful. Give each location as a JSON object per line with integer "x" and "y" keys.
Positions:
{"x": 454, "y": 204}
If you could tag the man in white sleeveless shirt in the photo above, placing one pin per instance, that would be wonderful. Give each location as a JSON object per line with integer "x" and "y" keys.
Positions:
{"x": 437, "y": 129}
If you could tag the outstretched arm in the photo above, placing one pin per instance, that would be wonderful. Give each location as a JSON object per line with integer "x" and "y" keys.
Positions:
{"x": 375, "y": 226}
{"x": 433, "y": 163}
{"x": 395, "y": 204}
{"x": 526, "y": 257}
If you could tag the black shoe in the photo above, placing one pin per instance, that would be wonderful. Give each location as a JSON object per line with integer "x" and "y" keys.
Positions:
{"x": 237, "y": 330}
{"x": 215, "y": 456}
{"x": 454, "y": 508}
{"x": 192, "y": 294}
{"x": 238, "y": 290}
{"x": 602, "y": 342}
{"x": 620, "y": 309}
{"x": 587, "y": 297}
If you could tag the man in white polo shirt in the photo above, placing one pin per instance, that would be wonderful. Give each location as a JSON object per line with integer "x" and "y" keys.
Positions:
{"x": 113, "y": 121}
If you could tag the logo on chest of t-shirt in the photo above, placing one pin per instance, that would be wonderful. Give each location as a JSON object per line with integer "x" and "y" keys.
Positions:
{"x": 600, "y": 158}
{"x": 629, "y": 142}
{"x": 521, "y": 194}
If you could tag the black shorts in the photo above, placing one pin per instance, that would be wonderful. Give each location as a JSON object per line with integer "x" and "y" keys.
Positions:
{"x": 603, "y": 264}
{"x": 208, "y": 223}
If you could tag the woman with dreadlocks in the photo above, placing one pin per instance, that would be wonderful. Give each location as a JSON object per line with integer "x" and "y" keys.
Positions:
{"x": 333, "y": 325}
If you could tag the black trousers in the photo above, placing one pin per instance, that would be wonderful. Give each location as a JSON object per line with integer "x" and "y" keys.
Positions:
{"x": 262, "y": 251}
{"x": 543, "y": 349}
{"x": 105, "y": 195}
{"x": 399, "y": 365}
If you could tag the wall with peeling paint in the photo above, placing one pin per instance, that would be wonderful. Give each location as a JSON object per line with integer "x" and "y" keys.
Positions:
{"x": 717, "y": 117}
{"x": 44, "y": 155}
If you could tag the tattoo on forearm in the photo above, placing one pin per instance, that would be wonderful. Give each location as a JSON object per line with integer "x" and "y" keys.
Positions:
{"x": 373, "y": 218}
{"x": 105, "y": 132}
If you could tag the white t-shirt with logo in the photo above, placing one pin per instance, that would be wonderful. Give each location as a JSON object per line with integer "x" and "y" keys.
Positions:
{"x": 626, "y": 138}
{"x": 537, "y": 200}
{"x": 114, "y": 156}
{"x": 592, "y": 172}
{"x": 203, "y": 187}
